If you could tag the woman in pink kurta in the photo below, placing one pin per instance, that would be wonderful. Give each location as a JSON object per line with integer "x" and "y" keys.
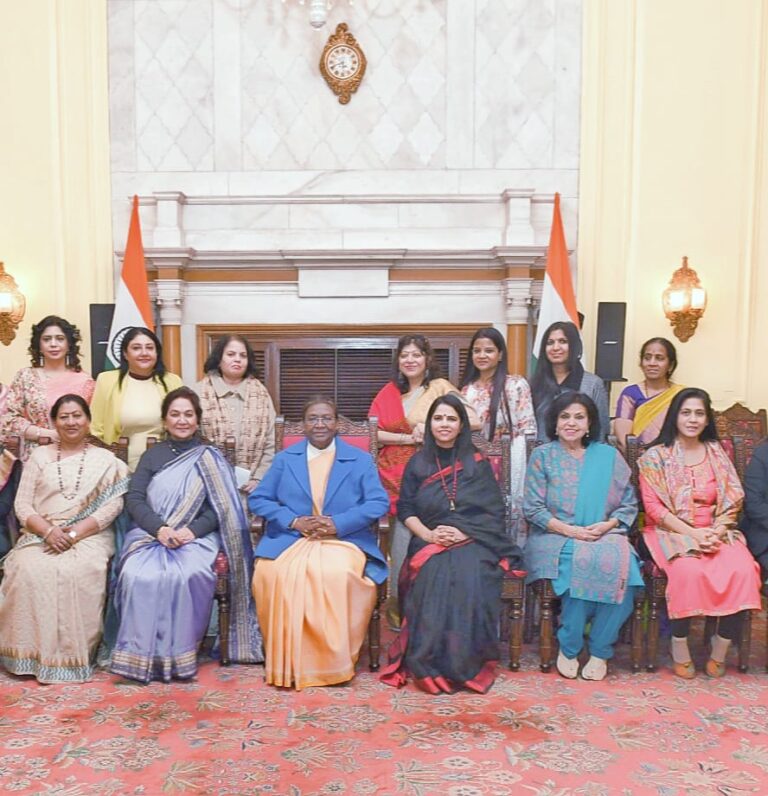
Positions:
{"x": 692, "y": 498}
{"x": 55, "y": 353}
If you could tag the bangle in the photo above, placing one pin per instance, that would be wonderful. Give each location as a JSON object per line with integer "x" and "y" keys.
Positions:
{"x": 50, "y": 531}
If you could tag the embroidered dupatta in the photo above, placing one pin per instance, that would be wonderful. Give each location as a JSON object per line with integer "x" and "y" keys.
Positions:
{"x": 663, "y": 470}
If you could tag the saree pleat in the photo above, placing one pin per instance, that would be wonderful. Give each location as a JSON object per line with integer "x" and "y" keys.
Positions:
{"x": 164, "y": 596}
{"x": 313, "y": 604}
{"x": 178, "y": 585}
{"x": 450, "y": 642}
{"x": 52, "y": 631}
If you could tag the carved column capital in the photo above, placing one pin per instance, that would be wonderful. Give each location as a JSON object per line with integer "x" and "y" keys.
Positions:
{"x": 169, "y": 297}
{"x": 518, "y": 297}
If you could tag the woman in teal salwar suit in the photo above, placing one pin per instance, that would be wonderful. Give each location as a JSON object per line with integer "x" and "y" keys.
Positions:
{"x": 580, "y": 504}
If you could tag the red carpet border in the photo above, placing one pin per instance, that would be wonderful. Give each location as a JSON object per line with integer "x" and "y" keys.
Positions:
{"x": 228, "y": 733}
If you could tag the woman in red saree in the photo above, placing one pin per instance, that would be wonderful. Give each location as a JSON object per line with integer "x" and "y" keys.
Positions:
{"x": 401, "y": 407}
{"x": 450, "y": 583}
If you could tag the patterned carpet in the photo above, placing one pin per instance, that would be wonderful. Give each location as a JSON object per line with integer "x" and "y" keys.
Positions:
{"x": 227, "y": 733}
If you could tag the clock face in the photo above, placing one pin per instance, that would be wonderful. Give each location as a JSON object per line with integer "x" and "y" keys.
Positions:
{"x": 342, "y": 62}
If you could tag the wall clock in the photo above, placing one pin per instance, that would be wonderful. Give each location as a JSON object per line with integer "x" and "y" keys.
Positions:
{"x": 343, "y": 63}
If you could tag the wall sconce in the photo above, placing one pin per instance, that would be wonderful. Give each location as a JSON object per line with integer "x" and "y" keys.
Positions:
{"x": 12, "y": 307}
{"x": 684, "y": 301}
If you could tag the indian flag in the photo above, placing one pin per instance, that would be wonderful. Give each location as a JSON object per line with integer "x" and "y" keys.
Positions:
{"x": 558, "y": 302}
{"x": 132, "y": 307}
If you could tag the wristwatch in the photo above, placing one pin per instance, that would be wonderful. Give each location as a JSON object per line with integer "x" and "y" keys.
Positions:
{"x": 72, "y": 535}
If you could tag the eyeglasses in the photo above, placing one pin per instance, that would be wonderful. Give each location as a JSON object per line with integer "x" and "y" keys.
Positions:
{"x": 321, "y": 420}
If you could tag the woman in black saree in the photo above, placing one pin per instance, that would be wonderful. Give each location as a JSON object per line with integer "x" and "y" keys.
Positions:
{"x": 450, "y": 584}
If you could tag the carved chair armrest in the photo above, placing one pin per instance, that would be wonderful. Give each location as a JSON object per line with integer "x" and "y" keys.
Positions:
{"x": 381, "y": 532}
{"x": 258, "y": 526}
{"x": 221, "y": 564}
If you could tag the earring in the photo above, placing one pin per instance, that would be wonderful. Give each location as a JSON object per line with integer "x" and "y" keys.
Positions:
{"x": 41, "y": 360}
{"x": 426, "y": 375}
{"x": 67, "y": 360}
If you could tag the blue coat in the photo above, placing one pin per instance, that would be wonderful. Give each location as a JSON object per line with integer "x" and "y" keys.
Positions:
{"x": 354, "y": 498}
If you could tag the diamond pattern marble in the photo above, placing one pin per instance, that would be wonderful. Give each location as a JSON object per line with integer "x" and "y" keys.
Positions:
{"x": 516, "y": 65}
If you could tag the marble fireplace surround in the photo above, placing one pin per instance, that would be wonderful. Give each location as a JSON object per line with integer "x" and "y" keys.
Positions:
{"x": 316, "y": 259}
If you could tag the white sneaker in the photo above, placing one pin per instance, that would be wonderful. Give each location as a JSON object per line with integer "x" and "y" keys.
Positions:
{"x": 595, "y": 669}
{"x": 568, "y": 667}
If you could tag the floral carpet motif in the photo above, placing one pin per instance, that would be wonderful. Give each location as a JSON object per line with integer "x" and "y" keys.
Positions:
{"x": 228, "y": 733}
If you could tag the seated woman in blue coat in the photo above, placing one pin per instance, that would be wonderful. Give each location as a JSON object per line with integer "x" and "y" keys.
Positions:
{"x": 318, "y": 562}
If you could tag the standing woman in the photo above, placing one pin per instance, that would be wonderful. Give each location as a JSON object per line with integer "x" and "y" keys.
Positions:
{"x": 236, "y": 404}
{"x": 692, "y": 498}
{"x": 560, "y": 370}
{"x": 127, "y": 401}
{"x": 502, "y": 402}
{"x": 401, "y": 407}
{"x": 641, "y": 408}
{"x": 55, "y": 353}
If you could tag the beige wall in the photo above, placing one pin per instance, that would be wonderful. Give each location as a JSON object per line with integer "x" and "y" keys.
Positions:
{"x": 55, "y": 228}
{"x": 673, "y": 163}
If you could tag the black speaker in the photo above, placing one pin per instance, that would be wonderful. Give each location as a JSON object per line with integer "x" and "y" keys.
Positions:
{"x": 101, "y": 322}
{"x": 609, "y": 352}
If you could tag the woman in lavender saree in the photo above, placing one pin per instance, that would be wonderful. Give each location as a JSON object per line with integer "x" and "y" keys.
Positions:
{"x": 184, "y": 505}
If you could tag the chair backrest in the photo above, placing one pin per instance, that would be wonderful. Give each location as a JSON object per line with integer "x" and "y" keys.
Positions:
{"x": 497, "y": 451}
{"x": 739, "y": 421}
{"x": 119, "y": 448}
{"x": 362, "y": 434}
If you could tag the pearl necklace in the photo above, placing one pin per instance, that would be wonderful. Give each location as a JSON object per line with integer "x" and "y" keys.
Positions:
{"x": 72, "y": 495}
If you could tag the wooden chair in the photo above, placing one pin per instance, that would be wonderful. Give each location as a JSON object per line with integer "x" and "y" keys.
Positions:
{"x": 497, "y": 452}
{"x": 656, "y": 579}
{"x": 544, "y": 593}
{"x": 362, "y": 435}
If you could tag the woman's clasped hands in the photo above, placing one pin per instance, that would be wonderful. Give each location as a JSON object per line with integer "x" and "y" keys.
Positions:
{"x": 315, "y": 527}
{"x": 174, "y": 537}
{"x": 447, "y": 535}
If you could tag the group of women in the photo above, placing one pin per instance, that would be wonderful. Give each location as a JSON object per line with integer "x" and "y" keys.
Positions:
{"x": 306, "y": 604}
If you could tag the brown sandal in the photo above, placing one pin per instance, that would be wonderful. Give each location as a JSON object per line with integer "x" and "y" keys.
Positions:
{"x": 685, "y": 670}
{"x": 714, "y": 668}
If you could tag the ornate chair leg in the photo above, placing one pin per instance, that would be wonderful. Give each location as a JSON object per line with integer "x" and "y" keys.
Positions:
{"x": 516, "y": 628}
{"x": 637, "y": 631}
{"x": 374, "y": 630}
{"x": 745, "y": 642}
{"x": 529, "y": 608}
{"x": 222, "y": 597}
{"x": 546, "y": 598}
{"x": 653, "y": 625}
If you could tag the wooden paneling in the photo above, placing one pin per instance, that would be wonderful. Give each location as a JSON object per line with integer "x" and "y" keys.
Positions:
{"x": 348, "y": 363}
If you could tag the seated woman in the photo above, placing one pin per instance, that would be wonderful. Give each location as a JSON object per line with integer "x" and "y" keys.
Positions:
{"x": 692, "y": 498}
{"x": 559, "y": 370}
{"x": 755, "y": 520}
{"x": 54, "y": 590}
{"x": 235, "y": 403}
{"x": 55, "y": 353}
{"x": 580, "y": 504}
{"x": 450, "y": 584}
{"x": 183, "y": 501}
{"x": 318, "y": 563}
{"x": 641, "y": 408}
{"x": 127, "y": 401}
